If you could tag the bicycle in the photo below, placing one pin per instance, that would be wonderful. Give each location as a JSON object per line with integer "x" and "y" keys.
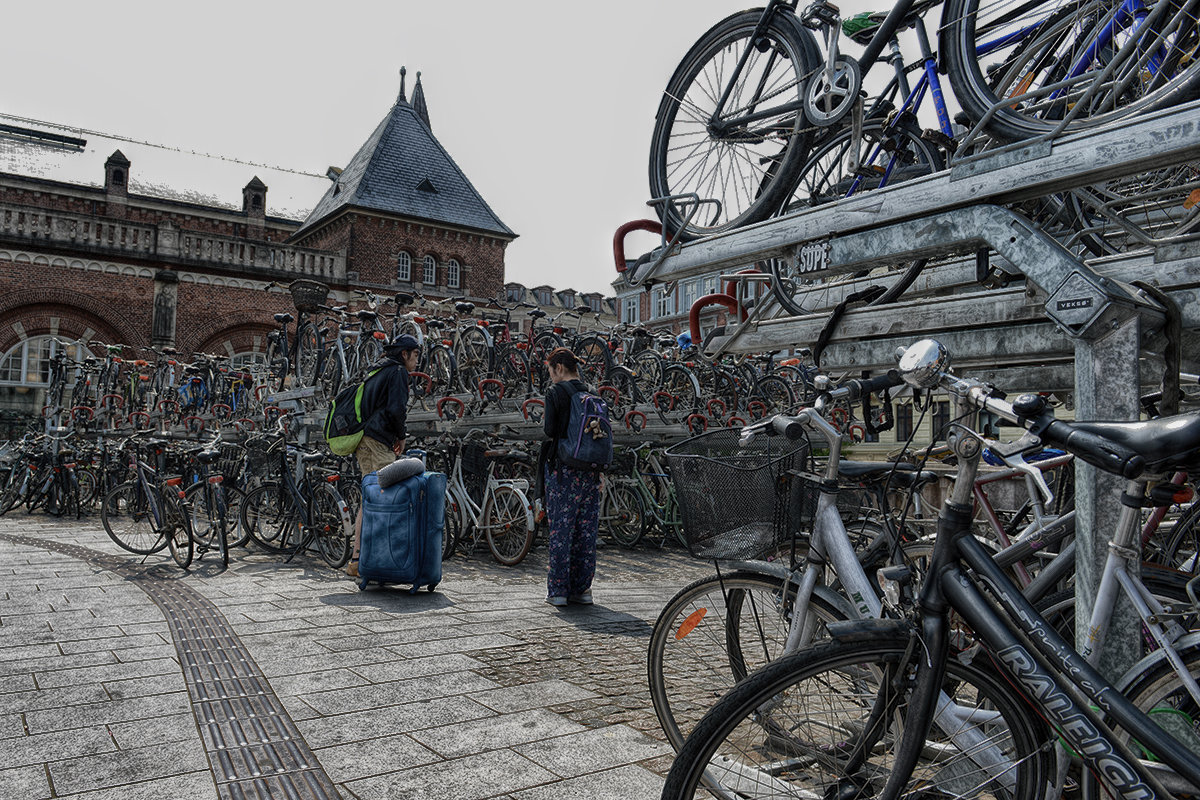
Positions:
{"x": 149, "y": 512}
{"x": 869, "y": 697}
{"x": 498, "y": 508}
{"x": 214, "y": 505}
{"x": 300, "y": 509}
{"x": 745, "y": 106}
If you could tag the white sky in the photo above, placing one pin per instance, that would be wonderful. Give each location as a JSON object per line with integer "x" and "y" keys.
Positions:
{"x": 547, "y": 107}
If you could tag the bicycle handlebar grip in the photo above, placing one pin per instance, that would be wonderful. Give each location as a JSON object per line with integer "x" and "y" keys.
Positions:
{"x": 1101, "y": 453}
{"x": 788, "y": 426}
{"x": 860, "y": 387}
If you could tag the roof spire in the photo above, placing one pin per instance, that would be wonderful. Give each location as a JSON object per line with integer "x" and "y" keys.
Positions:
{"x": 418, "y": 103}
{"x": 402, "y": 98}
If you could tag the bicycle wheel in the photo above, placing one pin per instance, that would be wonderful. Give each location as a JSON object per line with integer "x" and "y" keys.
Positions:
{"x": 270, "y": 519}
{"x": 595, "y": 360}
{"x": 746, "y": 168}
{"x": 996, "y": 52}
{"x": 1182, "y": 548}
{"x": 473, "y": 356}
{"x": 1156, "y": 690}
{"x": 10, "y": 495}
{"x": 512, "y": 368}
{"x": 789, "y": 729}
{"x": 710, "y": 635}
{"x": 333, "y": 540}
{"x": 647, "y": 367}
{"x": 89, "y": 487}
{"x": 621, "y": 514}
{"x": 453, "y": 526}
{"x": 543, "y": 345}
{"x": 204, "y": 509}
{"x": 308, "y": 354}
{"x": 775, "y": 394}
{"x": 331, "y": 374}
{"x": 441, "y": 370}
{"x": 678, "y": 395}
{"x": 829, "y": 175}
{"x": 178, "y": 529}
{"x": 128, "y": 520}
{"x": 506, "y": 520}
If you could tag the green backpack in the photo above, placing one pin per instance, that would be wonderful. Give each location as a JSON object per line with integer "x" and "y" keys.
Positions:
{"x": 344, "y": 423}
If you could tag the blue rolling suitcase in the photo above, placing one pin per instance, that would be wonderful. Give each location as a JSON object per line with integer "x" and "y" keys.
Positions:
{"x": 402, "y": 531}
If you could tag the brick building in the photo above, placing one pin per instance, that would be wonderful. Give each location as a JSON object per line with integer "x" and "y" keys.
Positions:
{"x": 101, "y": 241}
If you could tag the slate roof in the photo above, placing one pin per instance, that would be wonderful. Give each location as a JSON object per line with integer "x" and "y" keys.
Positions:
{"x": 59, "y": 153}
{"x": 402, "y": 169}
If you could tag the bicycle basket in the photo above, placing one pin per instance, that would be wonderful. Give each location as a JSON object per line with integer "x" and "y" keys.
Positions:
{"x": 622, "y": 463}
{"x": 308, "y": 295}
{"x": 736, "y": 502}
{"x": 474, "y": 469}
{"x": 230, "y": 462}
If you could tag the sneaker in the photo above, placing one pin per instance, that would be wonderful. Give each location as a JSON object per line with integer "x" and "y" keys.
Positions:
{"x": 352, "y": 568}
{"x": 556, "y": 600}
{"x": 583, "y": 599}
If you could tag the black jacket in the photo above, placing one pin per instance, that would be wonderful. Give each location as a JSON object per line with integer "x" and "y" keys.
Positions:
{"x": 556, "y": 418}
{"x": 385, "y": 400}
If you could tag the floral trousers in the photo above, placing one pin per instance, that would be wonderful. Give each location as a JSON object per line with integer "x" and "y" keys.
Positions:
{"x": 573, "y": 505}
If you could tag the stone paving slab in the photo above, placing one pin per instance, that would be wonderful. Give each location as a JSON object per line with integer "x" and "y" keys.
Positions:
{"x": 478, "y": 690}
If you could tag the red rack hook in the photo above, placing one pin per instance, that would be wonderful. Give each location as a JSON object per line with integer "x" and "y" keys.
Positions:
{"x": 649, "y": 225}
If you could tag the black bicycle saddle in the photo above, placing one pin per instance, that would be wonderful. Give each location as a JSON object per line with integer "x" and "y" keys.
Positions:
{"x": 1168, "y": 444}
{"x": 284, "y": 319}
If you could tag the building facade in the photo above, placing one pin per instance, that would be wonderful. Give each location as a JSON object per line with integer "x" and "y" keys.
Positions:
{"x": 102, "y": 242}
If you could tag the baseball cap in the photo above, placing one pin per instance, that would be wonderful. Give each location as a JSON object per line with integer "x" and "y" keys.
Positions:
{"x": 403, "y": 342}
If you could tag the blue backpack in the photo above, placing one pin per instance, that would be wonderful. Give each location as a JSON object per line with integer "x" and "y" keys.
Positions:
{"x": 588, "y": 444}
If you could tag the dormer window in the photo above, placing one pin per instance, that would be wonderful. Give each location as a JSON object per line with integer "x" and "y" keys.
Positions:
{"x": 546, "y": 297}
{"x": 426, "y": 186}
{"x": 255, "y": 202}
{"x": 118, "y": 177}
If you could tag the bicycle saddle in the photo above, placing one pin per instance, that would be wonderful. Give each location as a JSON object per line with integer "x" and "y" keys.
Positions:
{"x": 464, "y": 308}
{"x": 169, "y": 351}
{"x": 366, "y": 314}
{"x": 207, "y": 456}
{"x": 1168, "y": 444}
{"x": 506, "y": 455}
{"x": 282, "y": 319}
{"x": 404, "y": 299}
{"x": 311, "y": 458}
{"x": 434, "y": 324}
{"x": 537, "y": 313}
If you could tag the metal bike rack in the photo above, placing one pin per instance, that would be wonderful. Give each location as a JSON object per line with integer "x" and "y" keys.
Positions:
{"x": 1061, "y": 313}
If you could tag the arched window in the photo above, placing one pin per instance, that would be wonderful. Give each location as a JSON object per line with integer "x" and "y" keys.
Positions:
{"x": 453, "y": 273}
{"x": 248, "y": 361}
{"x": 404, "y": 267}
{"x": 430, "y": 276}
{"x": 27, "y": 364}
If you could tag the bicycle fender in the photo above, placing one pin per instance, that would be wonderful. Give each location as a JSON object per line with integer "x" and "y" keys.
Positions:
{"x": 832, "y": 598}
{"x": 1184, "y": 645}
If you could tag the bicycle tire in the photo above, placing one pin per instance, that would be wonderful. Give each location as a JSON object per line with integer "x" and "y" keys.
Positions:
{"x": 473, "y": 357}
{"x": 441, "y": 370}
{"x": 270, "y": 519}
{"x": 775, "y": 392}
{"x": 452, "y": 529}
{"x": 203, "y": 506}
{"x": 681, "y": 385}
{"x": 1061, "y": 33}
{"x": 543, "y": 344}
{"x": 1182, "y": 548}
{"x": 14, "y": 480}
{"x": 178, "y": 529}
{"x": 89, "y": 487}
{"x": 621, "y": 513}
{"x": 595, "y": 360}
{"x": 825, "y": 177}
{"x": 331, "y": 374}
{"x": 308, "y": 354}
{"x": 647, "y": 366}
{"x": 1155, "y": 688}
{"x": 788, "y": 729}
{"x": 506, "y": 521}
{"x": 698, "y": 649}
{"x": 688, "y": 151}
{"x": 127, "y": 519}
{"x": 512, "y": 368}
{"x": 334, "y": 542}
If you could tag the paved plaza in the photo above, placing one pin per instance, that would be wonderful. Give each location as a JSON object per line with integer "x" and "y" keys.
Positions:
{"x": 126, "y": 680}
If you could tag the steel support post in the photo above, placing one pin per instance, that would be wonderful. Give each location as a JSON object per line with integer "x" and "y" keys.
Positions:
{"x": 1106, "y": 388}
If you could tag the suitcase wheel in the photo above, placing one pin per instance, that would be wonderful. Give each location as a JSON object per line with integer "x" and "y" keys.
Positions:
{"x": 362, "y": 585}
{"x": 431, "y": 586}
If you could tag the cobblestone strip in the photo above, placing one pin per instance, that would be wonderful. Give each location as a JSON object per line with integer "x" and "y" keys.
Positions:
{"x": 254, "y": 749}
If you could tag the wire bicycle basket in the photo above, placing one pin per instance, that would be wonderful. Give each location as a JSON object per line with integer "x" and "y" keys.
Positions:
{"x": 736, "y": 502}
{"x": 308, "y": 296}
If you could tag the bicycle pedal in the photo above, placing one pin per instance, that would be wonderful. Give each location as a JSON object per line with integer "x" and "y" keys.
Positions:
{"x": 936, "y": 137}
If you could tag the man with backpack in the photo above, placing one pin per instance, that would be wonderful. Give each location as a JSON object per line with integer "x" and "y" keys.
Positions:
{"x": 384, "y": 408}
{"x": 578, "y": 449}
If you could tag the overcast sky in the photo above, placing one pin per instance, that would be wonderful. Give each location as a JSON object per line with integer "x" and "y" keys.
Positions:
{"x": 547, "y": 106}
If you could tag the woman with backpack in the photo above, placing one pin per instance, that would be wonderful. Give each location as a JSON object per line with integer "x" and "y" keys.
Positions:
{"x": 577, "y": 429}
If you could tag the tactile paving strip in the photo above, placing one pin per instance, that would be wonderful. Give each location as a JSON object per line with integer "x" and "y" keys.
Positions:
{"x": 254, "y": 749}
